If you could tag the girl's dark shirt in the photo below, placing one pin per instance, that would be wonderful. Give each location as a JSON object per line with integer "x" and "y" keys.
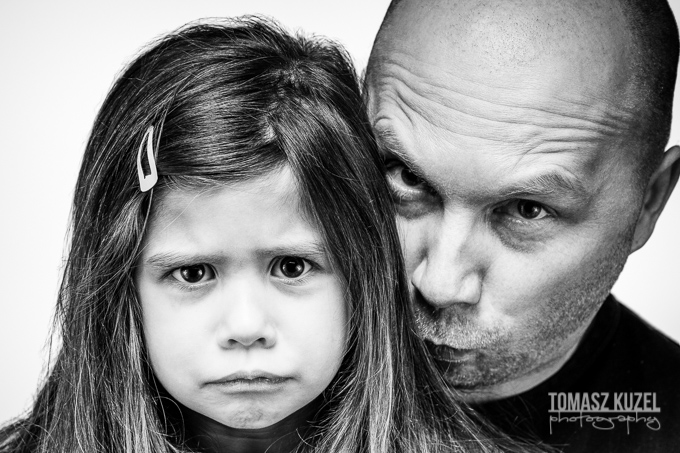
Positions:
{"x": 205, "y": 435}
{"x": 619, "y": 392}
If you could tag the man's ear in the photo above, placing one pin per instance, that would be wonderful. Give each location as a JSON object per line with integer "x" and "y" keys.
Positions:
{"x": 659, "y": 188}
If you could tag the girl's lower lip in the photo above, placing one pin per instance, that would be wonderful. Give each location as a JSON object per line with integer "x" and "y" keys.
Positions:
{"x": 251, "y": 385}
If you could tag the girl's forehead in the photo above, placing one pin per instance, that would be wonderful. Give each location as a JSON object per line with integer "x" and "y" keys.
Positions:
{"x": 261, "y": 213}
{"x": 274, "y": 188}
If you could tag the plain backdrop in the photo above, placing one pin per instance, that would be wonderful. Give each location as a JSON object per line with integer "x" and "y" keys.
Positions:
{"x": 59, "y": 60}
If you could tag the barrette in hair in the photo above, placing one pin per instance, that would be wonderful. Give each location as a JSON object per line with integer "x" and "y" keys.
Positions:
{"x": 146, "y": 182}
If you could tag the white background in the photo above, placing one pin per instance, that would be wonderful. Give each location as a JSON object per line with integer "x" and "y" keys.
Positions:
{"x": 59, "y": 60}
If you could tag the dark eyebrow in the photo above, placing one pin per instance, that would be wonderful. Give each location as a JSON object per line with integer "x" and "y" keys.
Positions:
{"x": 389, "y": 146}
{"x": 306, "y": 250}
{"x": 549, "y": 184}
{"x": 552, "y": 183}
{"x": 167, "y": 260}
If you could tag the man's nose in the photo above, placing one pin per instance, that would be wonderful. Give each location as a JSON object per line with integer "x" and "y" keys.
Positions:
{"x": 246, "y": 321}
{"x": 451, "y": 264}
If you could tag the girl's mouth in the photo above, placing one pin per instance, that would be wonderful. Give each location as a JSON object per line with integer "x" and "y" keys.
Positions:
{"x": 250, "y": 381}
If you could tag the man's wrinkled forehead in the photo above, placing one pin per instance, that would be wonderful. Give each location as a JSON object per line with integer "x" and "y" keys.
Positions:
{"x": 536, "y": 111}
{"x": 555, "y": 69}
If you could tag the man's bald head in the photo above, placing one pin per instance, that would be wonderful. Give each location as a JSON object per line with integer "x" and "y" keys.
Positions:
{"x": 632, "y": 43}
{"x": 523, "y": 144}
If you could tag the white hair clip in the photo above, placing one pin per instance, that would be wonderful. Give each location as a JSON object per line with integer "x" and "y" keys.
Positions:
{"x": 147, "y": 182}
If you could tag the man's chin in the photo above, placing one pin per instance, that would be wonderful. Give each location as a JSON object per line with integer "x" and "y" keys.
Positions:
{"x": 470, "y": 385}
{"x": 471, "y": 370}
{"x": 466, "y": 376}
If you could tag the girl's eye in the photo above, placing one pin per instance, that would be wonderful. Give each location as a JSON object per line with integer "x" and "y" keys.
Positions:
{"x": 196, "y": 273}
{"x": 291, "y": 267}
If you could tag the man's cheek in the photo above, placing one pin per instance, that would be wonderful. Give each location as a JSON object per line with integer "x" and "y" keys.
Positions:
{"x": 413, "y": 238}
{"x": 522, "y": 285}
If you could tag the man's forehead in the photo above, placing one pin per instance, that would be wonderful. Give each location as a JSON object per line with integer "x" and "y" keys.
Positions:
{"x": 527, "y": 110}
{"x": 469, "y": 162}
{"x": 466, "y": 133}
{"x": 448, "y": 91}
{"x": 483, "y": 183}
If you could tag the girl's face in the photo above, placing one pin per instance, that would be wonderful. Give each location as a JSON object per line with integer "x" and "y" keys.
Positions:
{"x": 244, "y": 320}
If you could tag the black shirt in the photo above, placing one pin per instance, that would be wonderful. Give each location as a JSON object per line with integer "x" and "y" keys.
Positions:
{"x": 202, "y": 434}
{"x": 619, "y": 392}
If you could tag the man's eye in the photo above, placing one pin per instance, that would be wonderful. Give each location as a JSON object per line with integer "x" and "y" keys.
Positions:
{"x": 290, "y": 267}
{"x": 404, "y": 181}
{"x": 409, "y": 178}
{"x": 196, "y": 273}
{"x": 527, "y": 210}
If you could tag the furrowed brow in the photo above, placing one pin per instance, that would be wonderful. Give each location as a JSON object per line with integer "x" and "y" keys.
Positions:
{"x": 390, "y": 145}
{"x": 304, "y": 250}
{"x": 549, "y": 184}
{"x": 166, "y": 260}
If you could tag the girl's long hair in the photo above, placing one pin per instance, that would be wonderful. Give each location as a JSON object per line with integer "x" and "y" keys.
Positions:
{"x": 231, "y": 101}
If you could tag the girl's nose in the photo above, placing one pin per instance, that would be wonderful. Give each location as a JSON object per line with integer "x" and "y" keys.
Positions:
{"x": 246, "y": 319}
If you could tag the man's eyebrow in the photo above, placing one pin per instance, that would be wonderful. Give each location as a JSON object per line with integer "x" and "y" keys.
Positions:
{"x": 388, "y": 143}
{"x": 552, "y": 183}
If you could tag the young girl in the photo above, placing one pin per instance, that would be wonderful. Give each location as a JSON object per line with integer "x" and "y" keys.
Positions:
{"x": 234, "y": 281}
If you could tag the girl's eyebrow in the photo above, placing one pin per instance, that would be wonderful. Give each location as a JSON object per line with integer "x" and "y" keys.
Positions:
{"x": 165, "y": 260}
{"x": 304, "y": 249}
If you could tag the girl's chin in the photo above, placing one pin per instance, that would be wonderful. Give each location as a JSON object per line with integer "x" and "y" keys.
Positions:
{"x": 250, "y": 416}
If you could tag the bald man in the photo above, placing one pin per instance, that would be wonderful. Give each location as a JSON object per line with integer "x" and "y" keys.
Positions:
{"x": 524, "y": 145}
